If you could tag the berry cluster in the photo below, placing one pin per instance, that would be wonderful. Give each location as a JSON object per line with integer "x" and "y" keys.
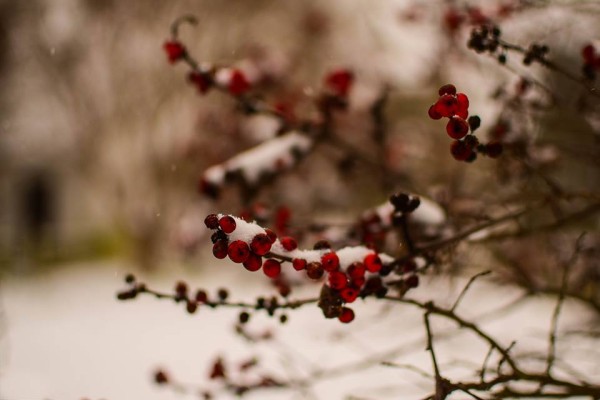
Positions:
{"x": 349, "y": 273}
{"x": 455, "y": 107}
{"x": 591, "y": 61}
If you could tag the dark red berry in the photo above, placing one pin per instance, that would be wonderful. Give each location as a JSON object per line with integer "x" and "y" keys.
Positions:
{"x": 349, "y": 294}
{"x": 589, "y": 53}
{"x": 330, "y": 261}
{"x": 175, "y": 51}
{"x": 272, "y": 235}
{"x": 347, "y": 315}
{"x": 299, "y": 264}
{"x": 253, "y": 262}
{"x": 191, "y": 307}
{"x": 457, "y": 128}
{"x": 222, "y": 294}
{"x": 337, "y": 280}
{"x": 493, "y": 149}
{"x": 261, "y": 244}
{"x": 218, "y": 369}
{"x": 433, "y": 113}
{"x": 208, "y": 188}
{"x": 211, "y": 221}
{"x": 238, "y": 83}
{"x": 357, "y": 270}
{"x": 460, "y": 150}
{"x": 322, "y": 245}
{"x": 340, "y": 81}
{"x": 288, "y": 243}
{"x": 181, "y": 289}
{"x": 372, "y": 262}
{"x": 227, "y": 223}
{"x": 314, "y": 270}
{"x": 358, "y": 281}
{"x": 238, "y": 251}
{"x": 272, "y": 268}
{"x": 447, "y": 89}
{"x": 201, "y": 81}
{"x": 446, "y": 105}
{"x": 474, "y": 122}
{"x": 161, "y": 377}
{"x": 201, "y": 296}
{"x": 244, "y": 317}
{"x": 220, "y": 249}
{"x": 412, "y": 281}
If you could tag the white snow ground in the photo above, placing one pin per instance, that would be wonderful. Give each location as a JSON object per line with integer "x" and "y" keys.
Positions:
{"x": 63, "y": 335}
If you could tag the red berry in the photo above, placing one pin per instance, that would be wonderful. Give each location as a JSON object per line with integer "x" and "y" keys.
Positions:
{"x": 175, "y": 51}
{"x": 299, "y": 264}
{"x": 462, "y": 109}
{"x": 457, "y": 128}
{"x": 203, "y": 82}
{"x": 373, "y": 262}
{"x": 357, "y": 281}
{"x": 589, "y": 53}
{"x": 460, "y": 150}
{"x": 208, "y": 188}
{"x": 412, "y": 281}
{"x": 453, "y": 19}
{"x": 447, "y": 89}
{"x": 340, "y": 81}
{"x": 330, "y": 261}
{"x": 272, "y": 268}
{"x": 272, "y": 235}
{"x": 220, "y": 249}
{"x": 433, "y": 113}
{"x": 201, "y": 296}
{"x": 446, "y": 105}
{"x": 261, "y": 244}
{"x": 357, "y": 270}
{"x": 347, "y": 315}
{"x": 349, "y": 294}
{"x": 288, "y": 243}
{"x": 493, "y": 149}
{"x": 238, "y": 83}
{"x": 253, "y": 262}
{"x": 211, "y": 221}
{"x": 227, "y": 224}
{"x": 314, "y": 270}
{"x": 337, "y": 280}
{"x": 161, "y": 377}
{"x": 238, "y": 251}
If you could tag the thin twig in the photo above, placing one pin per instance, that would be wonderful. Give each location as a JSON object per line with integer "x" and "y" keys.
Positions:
{"x": 466, "y": 288}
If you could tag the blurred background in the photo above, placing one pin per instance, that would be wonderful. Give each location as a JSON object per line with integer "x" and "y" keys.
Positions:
{"x": 102, "y": 142}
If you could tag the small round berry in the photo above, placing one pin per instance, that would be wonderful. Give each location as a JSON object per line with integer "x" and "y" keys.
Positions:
{"x": 211, "y": 221}
{"x": 493, "y": 149}
{"x": 129, "y": 278}
{"x": 349, "y": 294}
{"x": 288, "y": 243}
{"x": 272, "y": 268}
{"x": 330, "y": 261}
{"x": 412, "y": 281}
{"x": 283, "y": 318}
{"x": 299, "y": 264}
{"x": 457, "y": 128}
{"x": 161, "y": 377}
{"x": 238, "y": 84}
{"x": 175, "y": 50}
{"x": 372, "y": 262}
{"x": 447, "y": 89}
{"x": 244, "y": 317}
{"x": 272, "y": 235}
{"x": 191, "y": 307}
{"x": 253, "y": 263}
{"x": 238, "y": 251}
{"x": 474, "y": 122}
{"x": 220, "y": 249}
{"x": 314, "y": 270}
{"x": 346, "y": 316}
{"x": 222, "y": 294}
{"x": 181, "y": 289}
{"x": 357, "y": 270}
{"x": 261, "y": 244}
{"x": 337, "y": 280}
{"x": 462, "y": 101}
{"x": 446, "y": 105}
{"x": 340, "y": 81}
{"x": 227, "y": 223}
{"x": 201, "y": 296}
{"x": 460, "y": 150}
{"x": 433, "y": 113}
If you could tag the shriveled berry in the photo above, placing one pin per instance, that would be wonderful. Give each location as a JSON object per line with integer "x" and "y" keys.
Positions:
{"x": 346, "y": 316}
{"x": 299, "y": 264}
{"x": 272, "y": 268}
{"x": 161, "y": 377}
{"x": 357, "y": 281}
{"x": 211, "y": 221}
{"x": 337, "y": 280}
{"x": 220, "y": 249}
{"x": 457, "y": 128}
{"x": 202, "y": 82}
{"x": 238, "y": 251}
{"x": 372, "y": 262}
{"x": 208, "y": 188}
{"x": 222, "y": 294}
{"x": 314, "y": 270}
{"x": 460, "y": 150}
{"x": 175, "y": 51}
{"x": 412, "y": 281}
{"x": 433, "y": 113}
{"x": 227, "y": 224}
{"x": 238, "y": 83}
{"x": 474, "y": 122}
{"x": 493, "y": 149}
{"x": 356, "y": 270}
{"x": 322, "y": 245}
{"x": 447, "y": 89}
{"x": 253, "y": 262}
{"x": 288, "y": 243}
{"x": 260, "y": 244}
{"x": 330, "y": 261}
{"x": 372, "y": 285}
{"x": 446, "y": 105}
{"x": 409, "y": 266}
{"x": 349, "y": 294}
